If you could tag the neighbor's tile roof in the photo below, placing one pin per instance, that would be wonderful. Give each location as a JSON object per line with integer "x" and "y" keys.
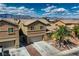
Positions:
{"x": 29, "y": 21}
{"x": 44, "y": 21}
{"x": 66, "y": 21}
{"x": 10, "y": 20}
{"x": 70, "y": 21}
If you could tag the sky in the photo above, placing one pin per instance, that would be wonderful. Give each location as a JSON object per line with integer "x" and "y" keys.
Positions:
{"x": 66, "y": 10}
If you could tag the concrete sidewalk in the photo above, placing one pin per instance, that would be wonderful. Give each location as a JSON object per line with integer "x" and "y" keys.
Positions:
{"x": 68, "y": 52}
{"x": 19, "y": 52}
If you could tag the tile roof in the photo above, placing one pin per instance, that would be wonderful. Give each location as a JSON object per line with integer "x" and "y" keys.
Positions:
{"x": 10, "y": 20}
{"x": 66, "y": 21}
{"x": 70, "y": 21}
{"x": 29, "y": 21}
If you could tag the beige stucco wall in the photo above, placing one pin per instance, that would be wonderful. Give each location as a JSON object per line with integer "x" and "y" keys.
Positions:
{"x": 59, "y": 23}
{"x": 5, "y": 36}
{"x": 70, "y": 26}
{"x": 37, "y": 26}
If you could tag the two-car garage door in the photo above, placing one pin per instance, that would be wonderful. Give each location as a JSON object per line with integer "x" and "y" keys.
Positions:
{"x": 35, "y": 39}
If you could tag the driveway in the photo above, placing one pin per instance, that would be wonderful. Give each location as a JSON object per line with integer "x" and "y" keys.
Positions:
{"x": 19, "y": 52}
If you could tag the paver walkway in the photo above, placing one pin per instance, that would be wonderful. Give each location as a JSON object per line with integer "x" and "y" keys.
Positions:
{"x": 45, "y": 49}
{"x": 32, "y": 51}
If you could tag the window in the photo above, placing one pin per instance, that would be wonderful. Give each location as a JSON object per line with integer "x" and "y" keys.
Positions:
{"x": 41, "y": 27}
{"x": 32, "y": 28}
{"x": 10, "y": 30}
{"x": 1, "y": 23}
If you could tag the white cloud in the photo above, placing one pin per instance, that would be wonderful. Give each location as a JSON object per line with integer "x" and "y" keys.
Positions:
{"x": 11, "y": 8}
{"x": 17, "y": 10}
{"x": 56, "y": 11}
{"x": 75, "y": 7}
{"x": 59, "y": 10}
{"x": 32, "y": 9}
{"x": 51, "y": 11}
{"x": 2, "y": 6}
{"x": 48, "y": 9}
{"x": 21, "y": 8}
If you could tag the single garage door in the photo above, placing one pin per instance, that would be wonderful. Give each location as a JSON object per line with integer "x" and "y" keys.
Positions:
{"x": 35, "y": 39}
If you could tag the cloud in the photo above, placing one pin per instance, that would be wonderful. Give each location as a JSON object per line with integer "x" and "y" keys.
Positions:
{"x": 10, "y": 8}
{"x": 2, "y": 6}
{"x": 32, "y": 9}
{"x": 21, "y": 8}
{"x": 48, "y": 9}
{"x": 75, "y": 7}
{"x": 59, "y": 10}
{"x": 17, "y": 10}
{"x": 53, "y": 11}
{"x": 56, "y": 11}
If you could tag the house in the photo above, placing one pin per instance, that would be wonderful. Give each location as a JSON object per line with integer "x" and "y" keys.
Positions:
{"x": 71, "y": 23}
{"x": 33, "y": 30}
{"x": 65, "y": 22}
{"x": 9, "y": 34}
{"x": 57, "y": 22}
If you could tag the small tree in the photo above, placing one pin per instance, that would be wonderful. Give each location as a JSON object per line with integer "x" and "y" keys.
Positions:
{"x": 60, "y": 34}
{"x": 76, "y": 30}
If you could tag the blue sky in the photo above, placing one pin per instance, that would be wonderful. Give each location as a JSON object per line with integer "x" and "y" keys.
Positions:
{"x": 66, "y": 10}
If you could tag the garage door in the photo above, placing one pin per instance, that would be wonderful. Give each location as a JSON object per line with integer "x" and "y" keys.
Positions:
{"x": 36, "y": 39}
{"x": 7, "y": 44}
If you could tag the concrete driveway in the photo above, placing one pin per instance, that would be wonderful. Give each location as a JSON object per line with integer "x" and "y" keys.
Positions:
{"x": 19, "y": 52}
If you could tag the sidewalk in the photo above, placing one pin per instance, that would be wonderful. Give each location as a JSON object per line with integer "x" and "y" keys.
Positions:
{"x": 68, "y": 52}
{"x": 19, "y": 52}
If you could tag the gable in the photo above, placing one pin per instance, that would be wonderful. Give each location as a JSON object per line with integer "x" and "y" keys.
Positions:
{"x": 37, "y": 26}
{"x": 35, "y": 22}
{"x": 59, "y": 23}
{"x": 3, "y": 22}
{"x": 5, "y": 25}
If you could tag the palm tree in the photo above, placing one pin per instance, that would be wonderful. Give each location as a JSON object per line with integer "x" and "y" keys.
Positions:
{"x": 60, "y": 35}
{"x": 76, "y": 30}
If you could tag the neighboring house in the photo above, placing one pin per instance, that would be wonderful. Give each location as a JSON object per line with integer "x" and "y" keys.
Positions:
{"x": 9, "y": 34}
{"x": 54, "y": 25}
{"x": 34, "y": 30}
{"x": 57, "y": 22}
{"x": 69, "y": 23}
